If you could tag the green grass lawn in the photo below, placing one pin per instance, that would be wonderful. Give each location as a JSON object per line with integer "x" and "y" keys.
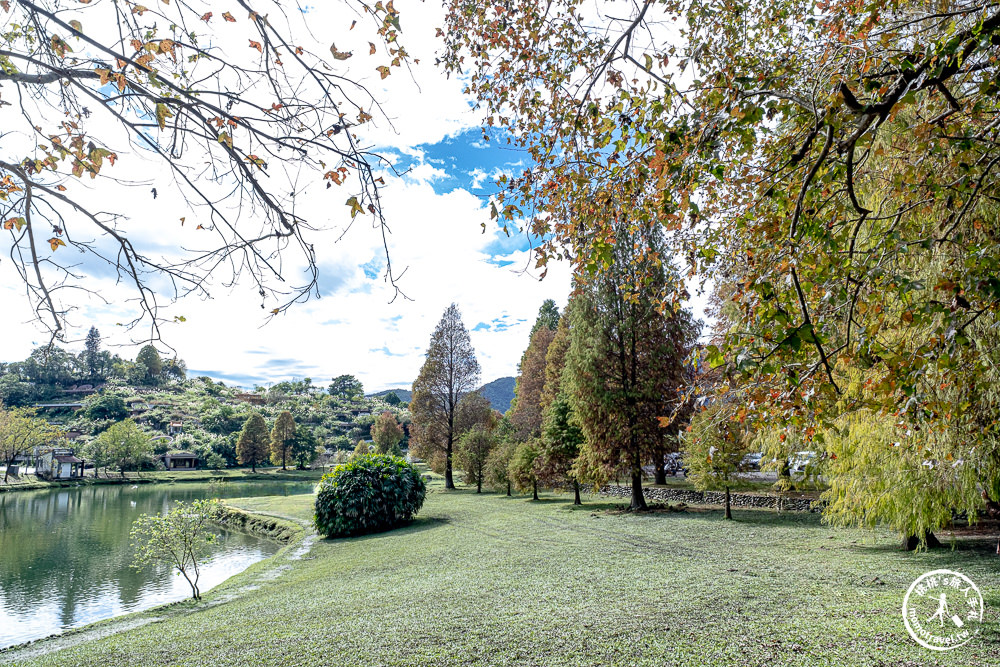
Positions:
{"x": 491, "y": 580}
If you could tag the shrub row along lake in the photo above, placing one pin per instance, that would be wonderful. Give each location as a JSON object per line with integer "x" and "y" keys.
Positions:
{"x": 65, "y": 554}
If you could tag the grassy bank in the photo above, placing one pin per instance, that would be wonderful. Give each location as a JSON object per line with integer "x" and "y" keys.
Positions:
{"x": 490, "y": 580}
{"x": 32, "y": 483}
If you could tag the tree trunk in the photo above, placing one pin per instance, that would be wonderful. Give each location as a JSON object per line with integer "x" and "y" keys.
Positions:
{"x": 661, "y": 470}
{"x": 508, "y": 487}
{"x": 479, "y": 485}
{"x": 7, "y": 469}
{"x": 576, "y": 493}
{"x": 283, "y": 467}
{"x": 253, "y": 466}
{"x": 911, "y": 542}
{"x": 534, "y": 489}
{"x": 729, "y": 511}
{"x": 638, "y": 499}
{"x": 449, "y": 482}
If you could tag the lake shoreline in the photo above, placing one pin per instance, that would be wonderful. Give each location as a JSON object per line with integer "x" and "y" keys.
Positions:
{"x": 172, "y": 477}
{"x": 290, "y": 533}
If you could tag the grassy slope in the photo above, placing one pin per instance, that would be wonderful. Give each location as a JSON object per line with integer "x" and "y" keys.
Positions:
{"x": 498, "y": 581}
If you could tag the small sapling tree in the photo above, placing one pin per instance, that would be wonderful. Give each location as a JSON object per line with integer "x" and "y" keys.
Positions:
{"x": 179, "y": 538}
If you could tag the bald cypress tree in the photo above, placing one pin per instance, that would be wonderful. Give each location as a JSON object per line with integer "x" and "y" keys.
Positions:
{"x": 449, "y": 372}
{"x": 625, "y": 365}
{"x": 526, "y": 408}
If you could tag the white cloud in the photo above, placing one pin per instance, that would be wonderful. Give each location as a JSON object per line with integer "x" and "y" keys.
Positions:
{"x": 478, "y": 176}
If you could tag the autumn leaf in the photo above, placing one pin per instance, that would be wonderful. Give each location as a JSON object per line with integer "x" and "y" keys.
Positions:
{"x": 14, "y": 222}
{"x": 5, "y": 4}
{"x": 355, "y": 207}
{"x": 228, "y": 17}
{"x": 371, "y": 49}
{"x": 339, "y": 55}
{"x": 224, "y": 138}
{"x": 162, "y": 114}
{"x": 383, "y": 70}
{"x": 76, "y": 25}
{"x": 256, "y": 45}
{"x": 55, "y": 242}
{"x": 182, "y": 220}
{"x": 206, "y": 17}
{"x": 105, "y": 74}
{"x": 276, "y": 311}
{"x": 60, "y": 47}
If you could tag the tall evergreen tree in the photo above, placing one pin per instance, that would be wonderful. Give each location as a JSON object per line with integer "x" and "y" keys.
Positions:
{"x": 149, "y": 359}
{"x": 548, "y": 317}
{"x": 252, "y": 447}
{"x": 559, "y": 447}
{"x": 625, "y": 362}
{"x": 450, "y": 372}
{"x": 92, "y": 353}
{"x": 281, "y": 437}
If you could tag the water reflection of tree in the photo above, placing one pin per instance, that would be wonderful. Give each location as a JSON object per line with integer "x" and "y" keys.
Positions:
{"x": 71, "y": 546}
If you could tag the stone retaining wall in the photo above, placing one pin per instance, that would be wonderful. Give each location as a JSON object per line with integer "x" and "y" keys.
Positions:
{"x": 717, "y": 498}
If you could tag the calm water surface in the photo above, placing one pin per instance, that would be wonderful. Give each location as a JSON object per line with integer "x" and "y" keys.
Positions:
{"x": 65, "y": 554}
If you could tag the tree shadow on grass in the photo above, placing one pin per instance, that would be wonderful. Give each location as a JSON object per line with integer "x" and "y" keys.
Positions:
{"x": 417, "y": 525}
{"x": 952, "y": 552}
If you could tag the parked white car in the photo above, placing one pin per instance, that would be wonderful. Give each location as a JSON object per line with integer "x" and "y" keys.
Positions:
{"x": 800, "y": 460}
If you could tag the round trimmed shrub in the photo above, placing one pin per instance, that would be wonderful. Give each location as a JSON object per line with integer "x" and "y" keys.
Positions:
{"x": 367, "y": 495}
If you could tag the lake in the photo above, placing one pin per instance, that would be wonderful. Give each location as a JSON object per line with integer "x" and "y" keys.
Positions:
{"x": 65, "y": 553}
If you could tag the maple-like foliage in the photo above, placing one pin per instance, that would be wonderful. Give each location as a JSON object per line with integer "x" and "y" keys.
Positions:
{"x": 239, "y": 106}
{"x": 831, "y": 166}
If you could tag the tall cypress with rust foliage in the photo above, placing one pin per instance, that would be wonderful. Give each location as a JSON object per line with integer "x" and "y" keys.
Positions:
{"x": 449, "y": 372}
{"x": 526, "y": 409}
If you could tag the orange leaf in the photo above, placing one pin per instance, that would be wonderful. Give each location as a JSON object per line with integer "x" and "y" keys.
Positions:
{"x": 256, "y": 45}
{"x": 229, "y": 17}
{"x": 54, "y": 242}
{"x": 206, "y": 17}
{"x": 371, "y": 49}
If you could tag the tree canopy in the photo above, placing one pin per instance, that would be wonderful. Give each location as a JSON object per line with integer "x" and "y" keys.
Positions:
{"x": 96, "y": 92}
